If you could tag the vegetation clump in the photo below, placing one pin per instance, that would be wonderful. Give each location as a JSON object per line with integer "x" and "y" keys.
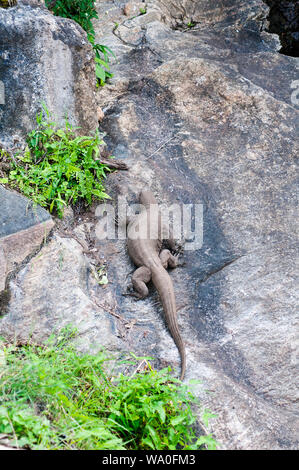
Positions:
{"x": 81, "y": 11}
{"x": 53, "y": 398}
{"x": 57, "y": 168}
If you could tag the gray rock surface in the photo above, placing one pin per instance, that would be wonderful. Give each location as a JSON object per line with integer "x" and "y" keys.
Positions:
{"x": 23, "y": 228}
{"x": 202, "y": 115}
{"x": 60, "y": 283}
{"x": 47, "y": 59}
{"x": 18, "y": 213}
{"x": 205, "y": 114}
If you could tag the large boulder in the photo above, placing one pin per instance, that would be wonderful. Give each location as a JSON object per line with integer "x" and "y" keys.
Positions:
{"x": 202, "y": 106}
{"x": 60, "y": 282}
{"x": 43, "y": 59}
{"x": 23, "y": 229}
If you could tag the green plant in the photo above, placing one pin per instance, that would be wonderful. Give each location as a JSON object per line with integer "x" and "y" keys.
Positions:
{"x": 102, "y": 62}
{"x": 154, "y": 410}
{"x": 58, "y": 168}
{"x": 83, "y": 12}
{"x": 53, "y": 398}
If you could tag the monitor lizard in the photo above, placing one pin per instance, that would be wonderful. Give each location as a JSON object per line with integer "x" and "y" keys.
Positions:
{"x": 144, "y": 249}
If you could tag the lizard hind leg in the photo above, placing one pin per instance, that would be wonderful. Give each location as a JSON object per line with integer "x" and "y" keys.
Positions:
{"x": 140, "y": 278}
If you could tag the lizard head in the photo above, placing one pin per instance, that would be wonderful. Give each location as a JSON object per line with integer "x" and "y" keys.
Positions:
{"x": 146, "y": 198}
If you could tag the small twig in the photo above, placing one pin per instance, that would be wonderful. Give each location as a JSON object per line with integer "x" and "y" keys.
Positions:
{"x": 138, "y": 368}
{"x": 65, "y": 234}
{"x": 128, "y": 324}
{"x": 114, "y": 164}
{"x": 13, "y": 430}
{"x": 159, "y": 148}
{"x": 110, "y": 311}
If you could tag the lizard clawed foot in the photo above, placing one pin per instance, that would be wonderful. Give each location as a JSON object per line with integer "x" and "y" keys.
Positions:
{"x": 183, "y": 263}
{"x": 132, "y": 293}
{"x": 177, "y": 262}
{"x": 179, "y": 248}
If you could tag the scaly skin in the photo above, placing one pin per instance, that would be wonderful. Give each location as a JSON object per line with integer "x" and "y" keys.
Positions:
{"x": 145, "y": 253}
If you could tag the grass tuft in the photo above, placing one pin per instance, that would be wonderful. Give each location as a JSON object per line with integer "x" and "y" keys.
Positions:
{"x": 53, "y": 398}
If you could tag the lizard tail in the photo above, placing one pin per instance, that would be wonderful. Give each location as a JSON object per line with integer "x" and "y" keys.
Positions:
{"x": 163, "y": 283}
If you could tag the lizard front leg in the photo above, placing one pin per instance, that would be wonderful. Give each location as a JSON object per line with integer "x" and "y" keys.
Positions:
{"x": 173, "y": 244}
{"x": 140, "y": 278}
{"x": 168, "y": 260}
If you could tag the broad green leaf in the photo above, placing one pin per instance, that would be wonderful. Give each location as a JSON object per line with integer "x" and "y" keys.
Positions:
{"x": 100, "y": 72}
